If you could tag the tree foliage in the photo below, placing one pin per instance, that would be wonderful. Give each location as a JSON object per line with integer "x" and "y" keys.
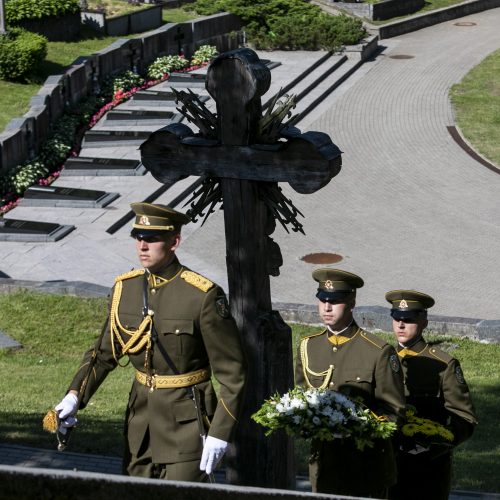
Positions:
{"x": 288, "y": 24}
{"x": 21, "y": 10}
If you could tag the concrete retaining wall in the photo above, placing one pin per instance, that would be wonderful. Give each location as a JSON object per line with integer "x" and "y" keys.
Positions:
{"x": 22, "y": 483}
{"x": 429, "y": 19}
{"x": 382, "y": 10}
{"x": 23, "y": 137}
{"x": 135, "y": 22}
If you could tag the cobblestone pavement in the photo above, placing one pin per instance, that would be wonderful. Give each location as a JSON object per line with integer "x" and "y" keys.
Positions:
{"x": 410, "y": 209}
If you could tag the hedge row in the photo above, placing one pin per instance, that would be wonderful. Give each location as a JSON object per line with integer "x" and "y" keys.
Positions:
{"x": 20, "y": 10}
{"x": 288, "y": 24}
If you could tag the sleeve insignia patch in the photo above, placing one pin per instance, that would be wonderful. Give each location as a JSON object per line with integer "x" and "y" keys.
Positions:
{"x": 394, "y": 363}
{"x": 222, "y": 307}
{"x": 460, "y": 375}
{"x": 198, "y": 281}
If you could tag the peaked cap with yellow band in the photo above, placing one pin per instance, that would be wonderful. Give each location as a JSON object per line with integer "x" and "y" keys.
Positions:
{"x": 335, "y": 284}
{"x": 408, "y": 303}
{"x": 153, "y": 219}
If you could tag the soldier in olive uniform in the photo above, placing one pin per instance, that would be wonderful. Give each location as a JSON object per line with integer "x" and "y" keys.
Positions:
{"x": 175, "y": 327}
{"x": 360, "y": 365}
{"x": 436, "y": 388}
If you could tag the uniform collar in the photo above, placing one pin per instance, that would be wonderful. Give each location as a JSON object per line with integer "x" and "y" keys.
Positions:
{"x": 413, "y": 349}
{"x": 342, "y": 336}
{"x": 166, "y": 274}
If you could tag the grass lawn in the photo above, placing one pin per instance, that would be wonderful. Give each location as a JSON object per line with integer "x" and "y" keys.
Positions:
{"x": 476, "y": 102}
{"x": 114, "y": 8}
{"x": 55, "y": 331}
{"x": 15, "y": 96}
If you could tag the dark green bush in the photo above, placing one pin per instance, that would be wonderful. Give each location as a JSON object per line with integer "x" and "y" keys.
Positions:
{"x": 288, "y": 24}
{"x": 20, "y": 52}
{"x": 20, "y": 10}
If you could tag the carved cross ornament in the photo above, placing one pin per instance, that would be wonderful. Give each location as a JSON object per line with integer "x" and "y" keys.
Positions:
{"x": 240, "y": 142}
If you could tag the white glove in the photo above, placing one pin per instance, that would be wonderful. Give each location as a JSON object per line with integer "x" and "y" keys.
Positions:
{"x": 67, "y": 408}
{"x": 213, "y": 451}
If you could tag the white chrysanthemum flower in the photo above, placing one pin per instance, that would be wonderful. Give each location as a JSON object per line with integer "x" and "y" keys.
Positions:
{"x": 280, "y": 408}
{"x": 298, "y": 403}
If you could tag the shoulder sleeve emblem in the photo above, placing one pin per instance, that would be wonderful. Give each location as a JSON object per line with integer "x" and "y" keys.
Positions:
{"x": 222, "y": 307}
{"x": 197, "y": 280}
{"x": 460, "y": 375}
{"x": 130, "y": 274}
{"x": 394, "y": 363}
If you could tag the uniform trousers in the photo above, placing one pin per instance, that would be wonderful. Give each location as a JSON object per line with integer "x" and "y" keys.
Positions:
{"x": 141, "y": 465}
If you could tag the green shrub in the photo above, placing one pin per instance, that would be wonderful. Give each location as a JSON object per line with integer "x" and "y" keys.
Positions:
{"x": 288, "y": 24}
{"x": 204, "y": 54}
{"x": 20, "y": 52}
{"x": 20, "y": 10}
{"x": 166, "y": 64}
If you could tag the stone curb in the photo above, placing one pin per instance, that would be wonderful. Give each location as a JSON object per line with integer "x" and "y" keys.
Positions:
{"x": 372, "y": 318}
{"x": 427, "y": 19}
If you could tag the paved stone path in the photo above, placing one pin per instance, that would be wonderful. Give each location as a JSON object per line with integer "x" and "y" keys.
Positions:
{"x": 409, "y": 208}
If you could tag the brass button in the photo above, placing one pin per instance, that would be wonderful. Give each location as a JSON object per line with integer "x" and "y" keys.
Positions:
{"x": 358, "y": 378}
{"x": 153, "y": 290}
{"x": 332, "y": 384}
{"x": 335, "y": 349}
{"x": 177, "y": 331}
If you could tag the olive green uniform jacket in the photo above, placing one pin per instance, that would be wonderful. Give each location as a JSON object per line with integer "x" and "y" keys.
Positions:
{"x": 360, "y": 366}
{"x": 194, "y": 326}
{"x": 435, "y": 386}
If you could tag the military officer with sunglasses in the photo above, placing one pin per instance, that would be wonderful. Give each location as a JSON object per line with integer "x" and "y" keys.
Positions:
{"x": 175, "y": 328}
{"x": 436, "y": 388}
{"x": 345, "y": 358}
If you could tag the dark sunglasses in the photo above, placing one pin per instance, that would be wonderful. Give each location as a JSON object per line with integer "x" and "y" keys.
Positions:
{"x": 147, "y": 239}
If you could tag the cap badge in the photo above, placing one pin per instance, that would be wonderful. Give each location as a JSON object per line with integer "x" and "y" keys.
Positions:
{"x": 329, "y": 285}
{"x": 403, "y": 304}
{"x": 144, "y": 220}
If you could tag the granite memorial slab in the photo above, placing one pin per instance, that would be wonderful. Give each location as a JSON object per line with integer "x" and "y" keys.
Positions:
{"x": 158, "y": 98}
{"x": 140, "y": 115}
{"x": 80, "y": 165}
{"x": 32, "y": 231}
{"x": 105, "y": 138}
{"x": 52, "y": 196}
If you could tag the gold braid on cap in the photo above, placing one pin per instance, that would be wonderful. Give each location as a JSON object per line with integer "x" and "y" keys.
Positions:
{"x": 327, "y": 374}
{"x": 137, "y": 338}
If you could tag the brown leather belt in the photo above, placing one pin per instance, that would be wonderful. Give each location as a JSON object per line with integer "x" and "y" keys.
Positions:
{"x": 173, "y": 381}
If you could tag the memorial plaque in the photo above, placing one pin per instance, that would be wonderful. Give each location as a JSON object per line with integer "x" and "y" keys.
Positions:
{"x": 103, "y": 138}
{"x": 185, "y": 83}
{"x": 102, "y": 166}
{"x": 153, "y": 95}
{"x": 182, "y": 77}
{"x": 31, "y": 231}
{"x": 49, "y": 196}
{"x": 140, "y": 115}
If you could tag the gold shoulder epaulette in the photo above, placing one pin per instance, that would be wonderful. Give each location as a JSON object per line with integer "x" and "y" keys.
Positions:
{"x": 373, "y": 339}
{"x": 130, "y": 274}
{"x": 439, "y": 354}
{"x": 313, "y": 335}
{"x": 197, "y": 280}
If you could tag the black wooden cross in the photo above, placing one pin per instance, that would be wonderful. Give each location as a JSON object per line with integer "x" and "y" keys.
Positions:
{"x": 245, "y": 155}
